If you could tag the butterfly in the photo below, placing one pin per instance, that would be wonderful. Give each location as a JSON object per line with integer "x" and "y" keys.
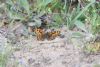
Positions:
{"x": 41, "y": 34}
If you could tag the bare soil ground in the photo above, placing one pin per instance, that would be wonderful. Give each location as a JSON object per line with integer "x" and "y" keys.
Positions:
{"x": 28, "y": 52}
{"x": 31, "y": 53}
{"x": 61, "y": 52}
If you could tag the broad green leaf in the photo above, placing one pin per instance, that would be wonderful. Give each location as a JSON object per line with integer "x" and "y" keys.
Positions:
{"x": 25, "y": 5}
{"x": 77, "y": 34}
{"x": 46, "y": 2}
{"x": 80, "y": 25}
{"x": 10, "y": 2}
{"x": 14, "y": 15}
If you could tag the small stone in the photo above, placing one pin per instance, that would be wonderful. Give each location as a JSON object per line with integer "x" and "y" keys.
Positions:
{"x": 30, "y": 61}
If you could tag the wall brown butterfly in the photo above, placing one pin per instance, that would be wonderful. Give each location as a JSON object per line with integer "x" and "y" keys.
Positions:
{"x": 41, "y": 34}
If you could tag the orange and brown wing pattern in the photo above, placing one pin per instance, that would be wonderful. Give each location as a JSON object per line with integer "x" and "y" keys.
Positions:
{"x": 39, "y": 33}
{"x": 52, "y": 35}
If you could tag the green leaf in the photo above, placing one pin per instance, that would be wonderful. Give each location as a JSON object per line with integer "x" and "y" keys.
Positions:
{"x": 80, "y": 25}
{"x": 9, "y": 2}
{"x": 25, "y": 5}
{"x": 83, "y": 10}
{"x": 77, "y": 34}
{"x": 14, "y": 15}
{"x": 46, "y": 2}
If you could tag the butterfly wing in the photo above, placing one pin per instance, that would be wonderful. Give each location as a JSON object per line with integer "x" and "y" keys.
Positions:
{"x": 39, "y": 33}
{"x": 53, "y": 34}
